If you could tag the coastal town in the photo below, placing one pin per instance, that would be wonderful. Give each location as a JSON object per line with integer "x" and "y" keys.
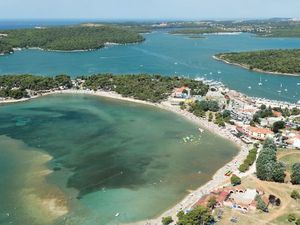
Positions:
{"x": 253, "y": 121}
{"x": 249, "y": 122}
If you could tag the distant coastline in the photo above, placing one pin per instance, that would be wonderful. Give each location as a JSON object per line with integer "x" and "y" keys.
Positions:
{"x": 107, "y": 44}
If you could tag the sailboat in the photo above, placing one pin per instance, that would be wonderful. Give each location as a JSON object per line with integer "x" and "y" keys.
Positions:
{"x": 260, "y": 83}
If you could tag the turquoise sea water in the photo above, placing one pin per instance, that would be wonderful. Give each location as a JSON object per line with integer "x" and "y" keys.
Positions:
{"x": 108, "y": 157}
{"x": 166, "y": 54}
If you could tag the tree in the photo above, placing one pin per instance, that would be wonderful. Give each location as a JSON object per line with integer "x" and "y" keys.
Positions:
{"x": 295, "y": 195}
{"x": 267, "y": 167}
{"x": 272, "y": 199}
{"x": 210, "y": 116}
{"x": 269, "y": 143}
{"x": 263, "y": 107}
{"x": 167, "y": 220}
{"x": 278, "y": 172}
{"x": 295, "y": 176}
{"x": 226, "y": 113}
{"x": 265, "y": 164}
{"x": 291, "y": 218}
{"x": 277, "y": 126}
{"x": 212, "y": 201}
{"x": 260, "y": 204}
{"x": 63, "y": 80}
{"x": 197, "y": 216}
{"x": 235, "y": 180}
{"x": 243, "y": 167}
{"x": 252, "y": 123}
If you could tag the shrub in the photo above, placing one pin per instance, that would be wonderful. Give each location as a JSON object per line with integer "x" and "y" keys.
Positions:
{"x": 211, "y": 202}
{"x": 277, "y": 126}
{"x": 167, "y": 220}
{"x": 295, "y": 176}
{"x": 261, "y": 205}
{"x": 235, "y": 180}
{"x": 291, "y": 218}
{"x": 243, "y": 167}
{"x": 199, "y": 215}
{"x": 278, "y": 202}
{"x": 295, "y": 195}
{"x": 249, "y": 160}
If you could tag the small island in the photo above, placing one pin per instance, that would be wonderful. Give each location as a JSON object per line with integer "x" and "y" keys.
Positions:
{"x": 285, "y": 62}
{"x": 197, "y": 31}
{"x": 67, "y": 38}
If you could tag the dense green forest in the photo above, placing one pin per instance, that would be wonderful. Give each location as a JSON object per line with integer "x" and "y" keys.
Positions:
{"x": 67, "y": 38}
{"x": 16, "y": 86}
{"x": 153, "y": 88}
{"x": 281, "y": 61}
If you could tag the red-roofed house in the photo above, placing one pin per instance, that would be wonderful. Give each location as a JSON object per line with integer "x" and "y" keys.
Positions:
{"x": 257, "y": 133}
{"x": 277, "y": 114}
{"x": 183, "y": 92}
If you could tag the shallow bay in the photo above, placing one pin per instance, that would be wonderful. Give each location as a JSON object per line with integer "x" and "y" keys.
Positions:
{"x": 112, "y": 157}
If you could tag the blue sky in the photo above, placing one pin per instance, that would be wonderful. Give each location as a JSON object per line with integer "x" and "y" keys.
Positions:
{"x": 148, "y": 9}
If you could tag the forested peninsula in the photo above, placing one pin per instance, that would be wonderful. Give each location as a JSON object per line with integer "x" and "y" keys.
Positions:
{"x": 151, "y": 88}
{"x": 66, "y": 38}
{"x": 285, "y": 61}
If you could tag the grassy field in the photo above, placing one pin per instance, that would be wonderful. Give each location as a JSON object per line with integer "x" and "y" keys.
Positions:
{"x": 277, "y": 215}
{"x": 289, "y": 157}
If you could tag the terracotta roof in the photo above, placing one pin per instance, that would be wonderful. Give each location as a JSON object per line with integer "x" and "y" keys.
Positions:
{"x": 248, "y": 110}
{"x": 259, "y": 130}
{"x": 181, "y": 89}
{"x": 222, "y": 196}
{"x": 277, "y": 114}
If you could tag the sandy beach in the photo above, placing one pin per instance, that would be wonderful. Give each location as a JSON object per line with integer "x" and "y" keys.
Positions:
{"x": 217, "y": 180}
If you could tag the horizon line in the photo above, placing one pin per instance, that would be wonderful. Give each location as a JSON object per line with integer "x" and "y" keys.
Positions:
{"x": 149, "y": 19}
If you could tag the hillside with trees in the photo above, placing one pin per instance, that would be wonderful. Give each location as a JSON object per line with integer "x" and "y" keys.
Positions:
{"x": 275, "y": 61}
{"x": 67, "y": 38}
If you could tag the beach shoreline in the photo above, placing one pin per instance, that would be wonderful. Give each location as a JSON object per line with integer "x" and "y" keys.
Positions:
{"x": 255, "y": 70}
{"x": 217, "y": 180}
